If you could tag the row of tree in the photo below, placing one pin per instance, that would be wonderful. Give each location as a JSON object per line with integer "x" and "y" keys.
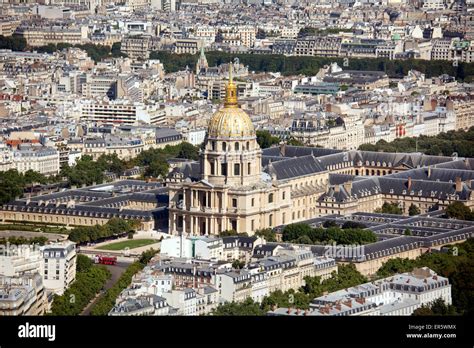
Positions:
{"x": 115, "y": 227}
{"x": 23, "y": 240}
{"x": 302, "y": 233}
{"x": 456, "y": 263}
{"x": 13, "y": 183}
{"x": 155, "y": 161}
{"x": 90, "y": 279}
{"x": 104, "y": 305}
{"x": 96, "y": 52}
{"x": 444, "y": 144}
{"x": 294, "y": 65}
{"x": 347, "y": 276}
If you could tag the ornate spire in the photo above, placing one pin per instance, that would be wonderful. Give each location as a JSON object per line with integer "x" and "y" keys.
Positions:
{"x": 231, "y": 91}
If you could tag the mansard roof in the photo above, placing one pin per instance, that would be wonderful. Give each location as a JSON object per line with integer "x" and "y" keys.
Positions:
{"x": 295, "y": 167}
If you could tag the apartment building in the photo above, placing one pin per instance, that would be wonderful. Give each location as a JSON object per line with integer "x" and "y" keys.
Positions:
{"x": 399, "y": 295}
{"x": 22, "y": 295}
{"x": 41, "y": 159}
{"x": 323, "y": 46}
{"x": 44, "y": 35}
{"x": 59, "y": 266}
{"x": 136, "y": 47}
{"x": 463, "y": 110}
{"x": 441, "y": 49}
{"x": 122, "y": 112}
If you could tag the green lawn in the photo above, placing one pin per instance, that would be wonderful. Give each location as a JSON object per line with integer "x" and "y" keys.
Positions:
{"x": 131, "y": 244}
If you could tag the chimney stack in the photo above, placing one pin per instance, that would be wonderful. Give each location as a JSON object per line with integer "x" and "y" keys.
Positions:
{"x": 458, "y": 184}
{"x": 409, "y": 183}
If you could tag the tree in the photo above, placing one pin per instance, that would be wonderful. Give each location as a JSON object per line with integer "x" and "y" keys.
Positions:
{"x": 353, "y": 224}
{"x": 248, "y": 308}
{"x": 437, "y": 307}
{"x": 303, "y": 240}
{"x": 111, "y": 163}
{"x": 413, "y": 210}
{"x": 14, "y": 43}
{"x": 116, "y": 50}
{"x": 265, "y": 139}
{"x": 407, "y": 232}
{"x": 83, "y": 263}
{"x": 147, "y": 255}
{"x": 238, "y": 264}
{"x": 457, "y": 210}
{"x": 293, "y": 231}
{"x": 390, "y": 208}
{"x": 188, "y": 151}
{"x": 294, "y": 142}
{"x": 267, "y": 233}
{"x": 330, "y": 223}
{"x": 157, "y": 169}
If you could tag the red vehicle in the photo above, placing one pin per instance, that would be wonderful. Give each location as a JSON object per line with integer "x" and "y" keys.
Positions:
{"x": 105, "y": 260}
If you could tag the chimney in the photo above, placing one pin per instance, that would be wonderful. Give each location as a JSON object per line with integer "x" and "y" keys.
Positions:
{"x": 409, "y": 183}
{"x": 337, "y": 188}
{"x": 348, "y": 303}
{"x": 338, "y": 307}
{"x": 458, "y": 184}
{"x": 289, "y": 310}
{"x": 429, "y": 172}
{"x": 360, "y": 300}
{"x": 282, "y": 149}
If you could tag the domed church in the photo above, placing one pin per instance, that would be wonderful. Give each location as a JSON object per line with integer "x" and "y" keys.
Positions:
{"x": 232, "y": 192}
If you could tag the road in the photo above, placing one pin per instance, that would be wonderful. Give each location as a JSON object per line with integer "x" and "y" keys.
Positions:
{"x": 116, "y": 271}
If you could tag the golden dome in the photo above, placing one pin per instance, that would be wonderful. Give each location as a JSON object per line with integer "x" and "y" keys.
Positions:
{"x": 230, "y": 121}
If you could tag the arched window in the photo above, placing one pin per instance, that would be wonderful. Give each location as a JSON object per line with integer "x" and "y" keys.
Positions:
{"x": 270, "y": 198}
{"x": 270, "y": 220}
{"x": 236, "y": 146}
{"x": 248, "y": 145}
{"x": 224, "y": 146}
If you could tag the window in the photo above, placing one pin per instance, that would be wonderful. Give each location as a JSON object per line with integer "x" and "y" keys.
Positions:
{"x": 283, "y": 218}
{"x": 270, "y": 198}
{"x": 248, "y": 145}
{"x": 248, "y": 168}
{"x": 224, "y": 169}
{"x": 253, "y": 202}
{"x": 270, "y": 220}
{"x": 283, "y": 195}
{"x": 224, "y": 146}
{"x": 236, "y": 169}
{"x": 252, "y": 225}
{"x": 237, "y": 146}
{"x": 213, "y": 145}
{"x": 234, "y": 202}
{"x": 212, "y": 168}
